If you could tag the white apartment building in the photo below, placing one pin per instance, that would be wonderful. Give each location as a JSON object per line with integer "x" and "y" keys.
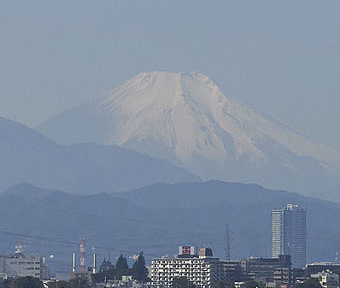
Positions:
{"x": 202, "y": 270}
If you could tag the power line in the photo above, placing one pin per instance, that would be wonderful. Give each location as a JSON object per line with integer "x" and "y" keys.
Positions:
{"x": 71, "y": 243}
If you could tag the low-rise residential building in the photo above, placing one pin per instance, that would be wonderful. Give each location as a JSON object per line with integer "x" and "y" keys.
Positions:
{"x": 21, "y": 265}
{"x": 316, "y": 267}
{"x": 126, "y": 281}
{"x": 327, "y": 279}
{"x": 272, "y": 271}
{"x": 232, "y": 271}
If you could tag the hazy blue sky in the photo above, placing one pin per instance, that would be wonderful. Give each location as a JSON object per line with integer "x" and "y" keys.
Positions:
{"x": 283, "y": 57}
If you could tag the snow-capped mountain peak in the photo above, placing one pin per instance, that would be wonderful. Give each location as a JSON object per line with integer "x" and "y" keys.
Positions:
{"x": 187, "y": 119}
{"x": 188, "y": 113}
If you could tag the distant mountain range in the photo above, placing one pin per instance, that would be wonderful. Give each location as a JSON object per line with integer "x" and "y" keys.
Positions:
{"x": 29, "y": 157}
{"x": 186, "y": 119}
{"x": 179, "y": 120}
{"x": 157, "y": 218}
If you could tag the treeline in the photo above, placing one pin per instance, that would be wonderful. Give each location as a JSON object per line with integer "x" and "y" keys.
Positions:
{"x": 22, "y": 282}
{"x": 109, "y": 271}
{"x": 32, "y": 282}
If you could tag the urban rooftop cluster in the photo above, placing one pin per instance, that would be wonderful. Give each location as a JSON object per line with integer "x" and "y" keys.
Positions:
{"x": 191, "y": 267}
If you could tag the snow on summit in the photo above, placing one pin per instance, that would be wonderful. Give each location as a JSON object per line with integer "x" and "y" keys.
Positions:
{"x": 186, "y": 119}
{"x": 189, "y": 114}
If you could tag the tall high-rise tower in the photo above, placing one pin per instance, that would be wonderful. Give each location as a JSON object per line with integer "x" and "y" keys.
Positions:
{"x": 289, "y": 234}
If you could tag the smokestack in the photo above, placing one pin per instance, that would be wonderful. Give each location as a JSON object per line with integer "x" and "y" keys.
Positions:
{"x": 74, "y": 262}
{"x": 94, "y": 263}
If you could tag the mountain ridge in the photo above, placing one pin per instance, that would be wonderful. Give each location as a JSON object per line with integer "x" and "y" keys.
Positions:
{"x": 27, "y": 156}
{"x": 186, "y": 119}
{"x": 156, "y": 219}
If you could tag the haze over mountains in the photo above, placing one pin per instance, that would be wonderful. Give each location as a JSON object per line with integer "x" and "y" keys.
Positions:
{"x": 29, "y": 157}
{"x": 132, "y": 169}
{"x": 186, "y": 119}
{"x": 157, "y": 218}
{"x": 179, "y": 120}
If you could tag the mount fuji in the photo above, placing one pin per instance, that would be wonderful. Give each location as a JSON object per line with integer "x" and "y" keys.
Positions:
{"x": 186, "y": 119}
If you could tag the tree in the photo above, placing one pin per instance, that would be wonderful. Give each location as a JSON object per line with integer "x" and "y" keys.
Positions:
{"x": 310, "y": 283}
{"x": 139, "y": 271}
{"x": 106, "y": 272}
{"x": 104, "y": 275}
{"x": 122, "y": 267}
{"x": 79, "y": 282}
{"x": 251, "y": 284}
{"x": 58, "y": 284}
{"x": 25, "y": 282}
{"x": 182, "y": 282}
{"x": 4, "y": 284}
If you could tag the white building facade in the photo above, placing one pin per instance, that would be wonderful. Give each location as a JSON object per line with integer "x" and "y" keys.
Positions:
{"x": 21, "y": 266}
{"x": 203, "y": 271}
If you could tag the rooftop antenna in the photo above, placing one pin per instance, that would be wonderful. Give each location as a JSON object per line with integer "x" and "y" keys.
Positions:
{"x": 227, "y": 243}
{"x": 19, "y": 248}
{"x": 82, "y": 266}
